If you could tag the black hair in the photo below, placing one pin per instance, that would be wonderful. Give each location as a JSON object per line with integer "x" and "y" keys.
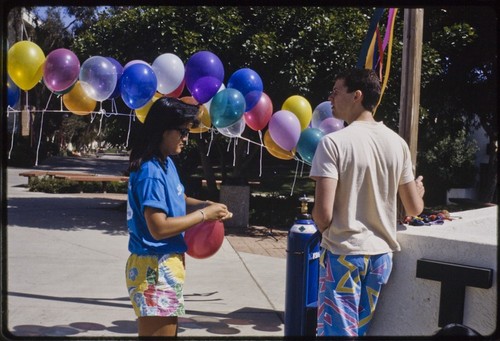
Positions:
{"x": 365, "y": 80}
{"x": 165, "y": 113}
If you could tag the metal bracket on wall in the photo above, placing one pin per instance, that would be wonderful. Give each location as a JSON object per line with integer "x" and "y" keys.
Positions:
{"x": 454, "y": 278}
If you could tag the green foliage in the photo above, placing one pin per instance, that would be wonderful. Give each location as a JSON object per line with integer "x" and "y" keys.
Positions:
{"x": 273, "y": 210}
{"x": 299, "y": 49}
{"x": 50, "y": 184}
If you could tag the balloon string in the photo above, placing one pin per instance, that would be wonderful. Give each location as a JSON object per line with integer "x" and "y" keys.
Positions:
{"x": 101, "y": 110}
{"x": 260, "y": 161}
{"x": 302, "y": 169}
{"x": 234, "y": 151}
{"x": 13, "y": 132}
{"x": 294, "y": 177}
{"x": 41, "y": 129}
{"x": 129, "y": 126}
{"x": 229, "y": 144}
{"x": 100, "y": 125}
{"x": 210, "y": 143}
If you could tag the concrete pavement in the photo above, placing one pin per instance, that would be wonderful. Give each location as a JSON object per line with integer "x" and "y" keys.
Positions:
{"x": 65, "y": 263}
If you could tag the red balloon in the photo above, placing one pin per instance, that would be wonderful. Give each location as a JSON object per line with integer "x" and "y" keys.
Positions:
{"x": 258, "y": 117}
{"x": 205, "y": 239}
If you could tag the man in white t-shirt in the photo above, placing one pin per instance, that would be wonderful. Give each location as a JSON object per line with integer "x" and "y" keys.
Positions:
{"x": 359, "y": 171}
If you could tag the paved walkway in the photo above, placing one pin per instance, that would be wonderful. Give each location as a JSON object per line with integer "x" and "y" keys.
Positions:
{"x": 65, "y": 261}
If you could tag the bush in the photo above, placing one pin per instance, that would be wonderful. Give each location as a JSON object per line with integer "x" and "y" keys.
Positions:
{"x": 274, "y": 210}
{"x": 49, "y": 184}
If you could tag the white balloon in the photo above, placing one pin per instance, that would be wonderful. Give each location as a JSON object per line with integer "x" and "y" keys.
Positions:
{"x": 98, "y": 78}
{"x": 234, "y": 130}
{"x": 169, "y": 71}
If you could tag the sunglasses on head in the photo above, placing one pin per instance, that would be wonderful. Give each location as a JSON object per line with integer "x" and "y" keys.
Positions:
{"x": 183, "y": 131}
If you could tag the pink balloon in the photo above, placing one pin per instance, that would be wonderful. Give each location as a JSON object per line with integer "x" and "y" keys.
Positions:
{"x": 205, "y": 239}
{"x": 61, "y": 70}
{"x": 285, "y": 129}
{"x": 330, "y": 125}
{"x": 258, "y": 117}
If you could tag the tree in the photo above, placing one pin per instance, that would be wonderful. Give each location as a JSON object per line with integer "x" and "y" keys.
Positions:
{"x": 459, "y": 96}
{"x": 298, "y": 50}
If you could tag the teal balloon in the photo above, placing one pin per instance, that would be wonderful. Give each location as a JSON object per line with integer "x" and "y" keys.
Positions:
{"x": 227, "y": 107}
{"x": 308, "y": 142}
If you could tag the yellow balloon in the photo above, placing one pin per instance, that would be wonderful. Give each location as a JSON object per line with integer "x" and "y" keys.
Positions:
{"x": 142, "y": 112}
{"x": 276, "y": 150}
{"x": 78, "y": 102}
{"x": 25, "y": 64}
{"x": 203, "y": 115}
{"x": 301, "y": 108}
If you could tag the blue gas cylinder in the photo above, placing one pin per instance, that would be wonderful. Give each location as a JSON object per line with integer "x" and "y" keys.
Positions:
{"x": 302, "y": 271}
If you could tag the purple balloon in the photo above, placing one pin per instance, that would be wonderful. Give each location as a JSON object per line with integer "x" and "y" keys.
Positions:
{"x": 119, "y": 71}
{"x": 60, "y": 70}
{"x": 285, "y": 129}
{"x": 330, "y": 125}
{"x": 204, "y": 75}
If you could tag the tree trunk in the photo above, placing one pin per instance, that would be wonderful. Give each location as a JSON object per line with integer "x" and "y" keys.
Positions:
{"x": 487, "y": 192}
{"x": 208, "y": 170}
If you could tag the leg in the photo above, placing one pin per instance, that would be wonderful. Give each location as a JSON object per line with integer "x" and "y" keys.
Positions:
{"x": 157, "y": 326}
{"x": 338, "y": 297}
{"x": 377, "y": 274}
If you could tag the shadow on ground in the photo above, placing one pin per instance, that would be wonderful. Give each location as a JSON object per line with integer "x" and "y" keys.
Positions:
{"x": 63, "y": 213}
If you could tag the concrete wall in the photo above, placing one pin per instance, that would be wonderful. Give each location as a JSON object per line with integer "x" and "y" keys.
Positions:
{"x": 409, "y": 306}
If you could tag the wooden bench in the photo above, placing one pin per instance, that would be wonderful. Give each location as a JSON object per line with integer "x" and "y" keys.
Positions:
{"x": 38, "y": 173}
{"x": 103, "y": 179}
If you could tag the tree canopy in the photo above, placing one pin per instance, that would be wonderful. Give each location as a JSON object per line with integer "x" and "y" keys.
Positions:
{"x": 299, "y": 49}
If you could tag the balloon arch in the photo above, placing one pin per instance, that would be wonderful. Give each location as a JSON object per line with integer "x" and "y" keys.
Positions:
{"x": 293, "y": 132}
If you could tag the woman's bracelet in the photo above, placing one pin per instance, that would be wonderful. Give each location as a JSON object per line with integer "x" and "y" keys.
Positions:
{"x": 202, "y": 215}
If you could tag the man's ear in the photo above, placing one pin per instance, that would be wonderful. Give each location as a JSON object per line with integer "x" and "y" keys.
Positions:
{"x": 358, "y": 95}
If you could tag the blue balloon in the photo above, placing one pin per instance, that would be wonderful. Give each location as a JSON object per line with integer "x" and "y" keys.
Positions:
{"x": 249, "y": 83}
{"x": 13, "y": 92}
{"x": 138, "y": 85}
{"x": 321, "y": 113}
{"x": 119, "y": 71}
{"x": 308, "y": 142}
{"x": 204, "y": 75}
{"x": 227, "y": 107}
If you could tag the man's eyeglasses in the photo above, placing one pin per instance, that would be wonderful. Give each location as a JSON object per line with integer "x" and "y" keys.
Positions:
{"x": 183, "y": 131}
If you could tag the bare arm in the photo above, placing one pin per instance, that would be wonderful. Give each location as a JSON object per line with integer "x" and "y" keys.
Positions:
{"x": 162, "y": 226}
{"x": 324, "y": 199}
{"x": 411, "y": 195}
{"x": 196, "y": 204}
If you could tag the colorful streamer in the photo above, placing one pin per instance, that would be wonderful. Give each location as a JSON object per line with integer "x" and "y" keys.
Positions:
{"x": 372, "y": 50}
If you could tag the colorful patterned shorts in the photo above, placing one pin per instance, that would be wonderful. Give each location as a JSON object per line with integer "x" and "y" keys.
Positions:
{"x": 155, "y": 284}
{"x": 349, "y": 288}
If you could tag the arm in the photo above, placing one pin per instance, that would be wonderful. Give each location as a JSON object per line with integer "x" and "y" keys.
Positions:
{"x": 324, "y": 199}
{"x": 194, "y": 204}
{"x": 411, "y": 195}
{"x": 162, "y": 226}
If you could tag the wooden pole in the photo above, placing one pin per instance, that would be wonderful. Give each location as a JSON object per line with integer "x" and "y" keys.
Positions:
{"x": 410, "y": 84}
{"x": 410, "y": 79}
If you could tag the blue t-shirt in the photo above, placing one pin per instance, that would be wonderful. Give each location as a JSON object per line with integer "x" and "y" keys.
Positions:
{"x": 159, "y": 188}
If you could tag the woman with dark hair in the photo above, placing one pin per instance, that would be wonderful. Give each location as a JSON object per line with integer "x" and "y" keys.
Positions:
{"x": 158, "y": 213}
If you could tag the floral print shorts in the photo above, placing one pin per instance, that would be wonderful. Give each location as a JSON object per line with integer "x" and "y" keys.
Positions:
{"x": 155, "y": 284}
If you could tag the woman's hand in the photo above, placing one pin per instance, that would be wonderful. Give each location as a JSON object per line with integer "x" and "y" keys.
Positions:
{"x": 217, "y": 211}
